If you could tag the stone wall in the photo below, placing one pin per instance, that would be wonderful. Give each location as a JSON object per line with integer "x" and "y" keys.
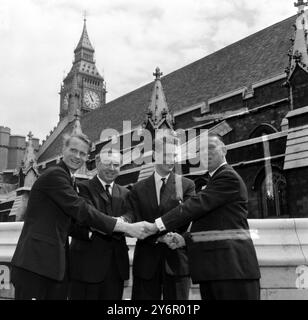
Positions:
{"x": 281, "y": 245}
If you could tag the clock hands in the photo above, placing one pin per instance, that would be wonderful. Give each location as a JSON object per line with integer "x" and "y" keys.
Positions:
{"x": 91, "y": 97}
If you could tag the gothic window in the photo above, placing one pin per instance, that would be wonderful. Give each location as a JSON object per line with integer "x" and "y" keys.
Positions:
{"x": 262, "y": 129}
{"x": 273, "y": 196}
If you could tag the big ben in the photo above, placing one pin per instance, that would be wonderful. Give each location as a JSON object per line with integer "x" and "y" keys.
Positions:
{"x": 83, "y": 88}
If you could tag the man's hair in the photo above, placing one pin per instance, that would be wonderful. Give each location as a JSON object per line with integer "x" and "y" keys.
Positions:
{"x": 67, "y": 139}
{"x": 107, "y": 153}
{"x": 216, "y": 135}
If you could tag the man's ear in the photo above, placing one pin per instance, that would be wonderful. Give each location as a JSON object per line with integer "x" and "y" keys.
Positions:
{"x": 96, "y": 163}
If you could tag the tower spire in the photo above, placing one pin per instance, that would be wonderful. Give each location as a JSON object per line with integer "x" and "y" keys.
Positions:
{"x": 298, "y": 54}
{"x": 158, "y": 111}
{"x": 29, "y": 156}
{"x": 82, "y": 81}
{"x": 84, "y": 42}
{"x": 300, "y": 4}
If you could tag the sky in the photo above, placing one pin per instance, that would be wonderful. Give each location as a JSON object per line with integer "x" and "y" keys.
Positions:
{"x": 130, "y": 37}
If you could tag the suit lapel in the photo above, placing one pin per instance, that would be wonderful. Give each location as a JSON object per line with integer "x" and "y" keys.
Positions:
{"x": 64, "y": 166}
{"x": 98, "y": 190}
{"x": 219, "y": 170}
{"x": 151, "y": 192}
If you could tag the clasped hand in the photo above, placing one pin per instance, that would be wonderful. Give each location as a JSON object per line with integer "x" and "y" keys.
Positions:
{"x": 141, "y": 230}
{"x": 173, "y": 240}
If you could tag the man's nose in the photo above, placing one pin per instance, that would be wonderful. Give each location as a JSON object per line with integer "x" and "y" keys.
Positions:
{"x": 112, "y": 167}
{"x": 78, "y": 155}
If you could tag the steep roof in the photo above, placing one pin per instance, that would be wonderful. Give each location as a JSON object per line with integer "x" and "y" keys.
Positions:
{"x": 84, "y": 41}
{"x": 259, "y": 56}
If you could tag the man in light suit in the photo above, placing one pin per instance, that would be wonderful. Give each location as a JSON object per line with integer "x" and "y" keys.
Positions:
{"x": 40, "y": 262}
{"x": 157, "y": 270}
{"x": 221, "y": 253}
{"x": 99, "y": 265}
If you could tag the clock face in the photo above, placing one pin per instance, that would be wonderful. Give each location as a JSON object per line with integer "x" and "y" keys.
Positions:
{"x": 91, "y": 99}
{"x": 65, "y": 101}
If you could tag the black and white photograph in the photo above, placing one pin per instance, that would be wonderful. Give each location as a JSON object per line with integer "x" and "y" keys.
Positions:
{"x": 154, "y": 151}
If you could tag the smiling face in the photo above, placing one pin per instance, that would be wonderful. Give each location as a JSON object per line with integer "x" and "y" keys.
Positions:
{"x": 75, "y": 153}
{"x": 108, "y": 166}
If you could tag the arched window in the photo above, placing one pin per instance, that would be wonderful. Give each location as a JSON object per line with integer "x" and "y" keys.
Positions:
{"x": 262, "y": 129}
{"x": 272, "y": 196}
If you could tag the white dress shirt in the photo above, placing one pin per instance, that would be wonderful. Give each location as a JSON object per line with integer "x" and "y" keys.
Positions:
{"x": 110, "y": 191}
{"x": 104, "y": 184}
{"x": 159, "y": 223}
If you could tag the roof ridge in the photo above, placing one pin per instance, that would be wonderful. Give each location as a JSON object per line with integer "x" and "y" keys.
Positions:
{"x": 197, "y": 61}
{"x": 233, "y": 44}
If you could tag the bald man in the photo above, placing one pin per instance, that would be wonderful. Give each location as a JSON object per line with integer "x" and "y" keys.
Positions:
{"x": 221, "y": 253}
{"x": 100, "y": 264}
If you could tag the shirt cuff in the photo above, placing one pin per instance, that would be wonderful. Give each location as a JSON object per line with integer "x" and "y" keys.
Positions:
{"x": 123, "y": 219}
{"x": 160, "y": 225}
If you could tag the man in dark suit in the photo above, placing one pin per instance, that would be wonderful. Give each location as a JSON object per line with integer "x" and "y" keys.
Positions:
{"x": 221, "y": 253}
{"x": 158, "y": 270}
{"x": 100, "y": 265}
{"x": 40, "y": 262}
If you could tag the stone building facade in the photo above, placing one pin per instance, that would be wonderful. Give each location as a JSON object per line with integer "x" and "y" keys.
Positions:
{"x": 253, "y": 92}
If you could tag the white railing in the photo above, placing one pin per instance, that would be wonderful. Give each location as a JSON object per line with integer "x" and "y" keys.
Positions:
{"x": 281, "y": 242}
{"x": 281, "y": 245}
{"x": 277, "y": 242}
{"x": 9, "y": 235}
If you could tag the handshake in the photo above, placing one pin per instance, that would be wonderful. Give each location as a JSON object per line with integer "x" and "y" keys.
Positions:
{"x": 140, "y": 230}
{"x": 144, "y": 229}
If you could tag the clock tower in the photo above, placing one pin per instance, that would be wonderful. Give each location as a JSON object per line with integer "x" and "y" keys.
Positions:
{"x": 83, "y": 88}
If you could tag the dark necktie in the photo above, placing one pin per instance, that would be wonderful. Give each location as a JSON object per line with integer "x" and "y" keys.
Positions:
{"x": 74, "y": 183}
{"x": 107, "y": 186}
{"x": 109, "y": 201}
{"x": 162, "y": 188}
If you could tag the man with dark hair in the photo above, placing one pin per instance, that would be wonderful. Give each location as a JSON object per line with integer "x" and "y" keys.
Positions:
{"x": 221, "y": 253}
{"x": 99, "y": 264}
{"x": 40, "y": 262}
{"x": 157, "y": 270}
